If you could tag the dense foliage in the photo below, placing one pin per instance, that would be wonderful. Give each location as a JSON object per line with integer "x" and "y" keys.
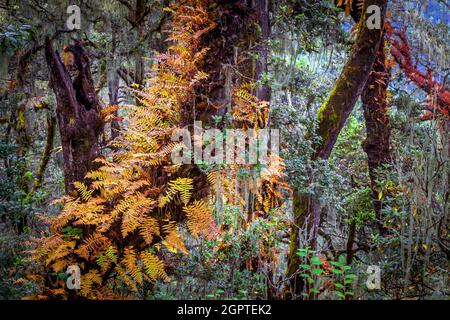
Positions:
{"x": 303, "y": 224}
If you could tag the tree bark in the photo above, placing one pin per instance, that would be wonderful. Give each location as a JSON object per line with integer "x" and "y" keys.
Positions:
{"x": 331, "y": 119}
{"x": 51, "y": 122}
{"x": 77, "y": 112}
{"x": 376, "y": 144}
{"x": 263, "y": 91}
{"x": 113, "y": 84}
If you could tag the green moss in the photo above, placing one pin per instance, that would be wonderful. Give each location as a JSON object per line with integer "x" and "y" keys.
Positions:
{"x": 21, "y": 121}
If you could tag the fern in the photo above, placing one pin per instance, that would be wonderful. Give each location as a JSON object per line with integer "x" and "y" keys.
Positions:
{"x": 172, "y": 239}
{"x": 153, "y": 266}
{"x": 89, "y": 282}
{"x": 131, "y": 264}
{"x": 92, "y": 245}
{"x": 133, "y": 197}
{"x": 148, "y": 229}
{"x": 86, "y": 194}
{"x": 199, "y": 218}
{"x": 183, "y": 186}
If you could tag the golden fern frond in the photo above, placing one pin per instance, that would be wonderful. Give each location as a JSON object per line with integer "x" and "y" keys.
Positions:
{"x": 184, "y": 186}
{"x": 199, "y": 218}
{"x": 148, "y": 229}
{"x": 89, "y": 213}
{"x": 137, "y": 205}
{"x": 88, "y": 283}
{"x": 97, "y": 175}
{"x": 92, "y": 245}
{"x": 126, "y": 278}
{"x": 153, "y": 266}
{"x": 60, "y": 252}
{"x": 172, "y": 239}
{"x": 108, "y": 257}
{"x": 83, "y": 190}
{"x": 62, "y": 264}
{"x": 212, "y": 177}
{"x": 130, "y": 261}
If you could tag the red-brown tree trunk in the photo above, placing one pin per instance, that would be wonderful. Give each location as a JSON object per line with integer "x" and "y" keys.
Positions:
{"x": 77, "y": 111}
{"x": 376, "y": 144}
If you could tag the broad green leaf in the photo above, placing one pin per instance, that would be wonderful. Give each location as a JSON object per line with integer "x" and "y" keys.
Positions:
{"x": 305, "y": 266}
{"x": 304, "y": 275}
{"x": 337, "y": 271}
{"x": 316, "y": 271}
{"x": 316, "y": 261}
{"x": 302, "y": 254}
{"x": 348, "y": 281}
{"x": 335, "y": 263}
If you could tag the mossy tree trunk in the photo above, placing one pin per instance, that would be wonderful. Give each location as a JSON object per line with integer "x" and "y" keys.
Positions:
{"x": 331, "y": 119}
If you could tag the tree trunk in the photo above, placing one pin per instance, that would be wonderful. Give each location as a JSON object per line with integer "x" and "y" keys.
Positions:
{"x": 77, "y": 112}
{"x": 331, "y": 119}
{"x": 263, "y": 91}
{"x": 51, "y": 123}
{"x": 113, "y": 84}
{"x": 376, "y": 144}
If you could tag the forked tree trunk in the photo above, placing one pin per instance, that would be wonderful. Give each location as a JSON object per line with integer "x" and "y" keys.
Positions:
{"x": 331, "y": 119}
{"x": 77, "y": 111}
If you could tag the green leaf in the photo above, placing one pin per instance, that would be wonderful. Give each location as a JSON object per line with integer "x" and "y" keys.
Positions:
{"x": 302, "y": 253}
{"x": 316, "y": 271}
{"x": 348, "y": 281}
{"x": 335, "y": 263}
{"x": 304, "y": 275}
{"x": 314, "y": 290}
{"x": 337, "y": 271}
{"x": 339, "y": 285}
{"x": 339, "y": 294}
{"x": 305, "y": 266}
{"x": 316, "y": 261}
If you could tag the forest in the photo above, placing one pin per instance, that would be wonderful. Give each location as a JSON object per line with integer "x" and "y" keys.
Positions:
{"x": 224, "y": 150}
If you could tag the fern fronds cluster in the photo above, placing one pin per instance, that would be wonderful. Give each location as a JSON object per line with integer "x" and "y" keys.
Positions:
{"x": 127, "y": 205}
{"x": 136, "y": 202}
